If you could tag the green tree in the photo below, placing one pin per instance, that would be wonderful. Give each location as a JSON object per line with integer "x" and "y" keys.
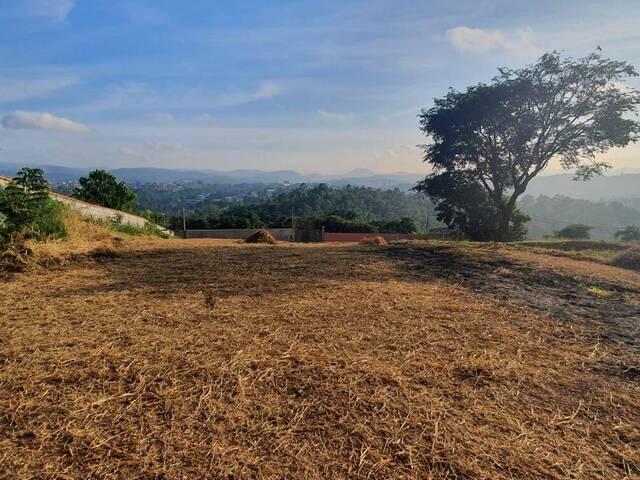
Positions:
{"x": 22, "y": 200}
{"x": 466, "y": 207}
{"x": 25, "y": 207}
{"x": 404, "y": 225}
{"x": 577, "y": 231}
{"x": 495, "y": 138}
{"x": 629, "y": 233}
{"x": 102, "y": 188}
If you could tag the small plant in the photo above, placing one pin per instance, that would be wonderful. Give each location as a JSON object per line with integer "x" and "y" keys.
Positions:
{"x": 598, "y": 292}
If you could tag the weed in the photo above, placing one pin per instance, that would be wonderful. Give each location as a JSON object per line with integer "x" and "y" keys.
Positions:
{"x": 599, "y": 292}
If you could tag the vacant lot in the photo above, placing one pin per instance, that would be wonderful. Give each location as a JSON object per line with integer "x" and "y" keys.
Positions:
{"x": 205, "y": 359}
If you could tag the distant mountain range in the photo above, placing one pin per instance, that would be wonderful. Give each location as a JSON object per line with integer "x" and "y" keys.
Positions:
{"x": 359, "y": 176}
{"x": 609, "y": 187}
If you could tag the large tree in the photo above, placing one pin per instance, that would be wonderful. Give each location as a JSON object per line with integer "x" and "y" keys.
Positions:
{"x": 103, "y": 188}
{"x": 497, "y": 137}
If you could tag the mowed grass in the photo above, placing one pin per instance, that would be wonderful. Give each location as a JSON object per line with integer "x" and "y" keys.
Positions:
{"x": 204, "y": 359}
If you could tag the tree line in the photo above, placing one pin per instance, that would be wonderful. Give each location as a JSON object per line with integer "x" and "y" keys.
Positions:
{"x": 344, "y": 209}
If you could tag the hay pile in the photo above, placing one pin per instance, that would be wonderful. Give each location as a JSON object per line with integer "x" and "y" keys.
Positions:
{"x": 373, "y": 241}
{"x": 85, "y": 239}
{"x": 629, "y": 259}
{"x": 261, "y": 236}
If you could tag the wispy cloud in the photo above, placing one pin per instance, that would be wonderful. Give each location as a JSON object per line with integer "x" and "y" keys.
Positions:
{"x": 163, "y": 117}
{"x": 334, "y": 117}
{"x": 476, "y": 40}
{"x": 264, "y": 90}
{"x": 136, "y": 96}
{"x": 52, "y": 10}
{"x": 15, "y": 89}
{"x": 41, "y": 121}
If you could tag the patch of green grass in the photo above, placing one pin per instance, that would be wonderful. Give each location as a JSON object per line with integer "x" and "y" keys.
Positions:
{"x": 148, "y": 229}
{"x": 599, "y": 292}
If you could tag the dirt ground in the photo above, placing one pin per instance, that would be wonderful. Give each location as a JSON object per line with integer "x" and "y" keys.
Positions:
{"x": 211, "y": 359}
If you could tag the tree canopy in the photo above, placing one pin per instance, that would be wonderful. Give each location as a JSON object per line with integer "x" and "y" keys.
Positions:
{"x": 577, "y": 231}
{"x": 103, "y": 188}
{"x": 629, "y": 233}
{"x": 494, "y": 138}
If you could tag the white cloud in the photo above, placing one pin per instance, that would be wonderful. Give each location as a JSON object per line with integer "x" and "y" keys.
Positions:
{"x": 205, "y": 118}
{"x": 15, "y": 89}
{"x": 334, "y": 117}
{"x": 476, "y": 40}
{"x": 53, "y": 10}
{"x": 163, "y": 117}
{"x": 41, "y": 121}
{"x": 265, "y": 90}
{"x": 138, "y": 96}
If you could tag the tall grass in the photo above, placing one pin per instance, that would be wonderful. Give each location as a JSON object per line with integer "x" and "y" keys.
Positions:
{"x": 49, "y": 222}
{"x": 117, "y": 225}
{"x": 148, "y": 229}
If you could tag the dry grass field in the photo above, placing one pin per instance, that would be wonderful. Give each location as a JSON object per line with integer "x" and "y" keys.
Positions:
{"x": 211, "y": 359}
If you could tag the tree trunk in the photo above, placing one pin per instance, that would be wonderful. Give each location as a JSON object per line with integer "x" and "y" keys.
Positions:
{"x": 506, "y": 212}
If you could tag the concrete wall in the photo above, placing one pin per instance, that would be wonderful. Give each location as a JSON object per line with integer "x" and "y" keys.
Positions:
{"x": 282, "y": 234}
{"x": 90, "y": 210}
{"x": 356, "y": 237}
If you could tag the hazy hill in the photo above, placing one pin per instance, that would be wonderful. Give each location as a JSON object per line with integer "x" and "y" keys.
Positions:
{"x": 613, "y": 186}
{"x": 606, "y": 187}
{"x": 358, "y": 176}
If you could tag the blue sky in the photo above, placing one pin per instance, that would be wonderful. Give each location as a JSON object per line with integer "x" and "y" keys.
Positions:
{"x": 316, "y": 86}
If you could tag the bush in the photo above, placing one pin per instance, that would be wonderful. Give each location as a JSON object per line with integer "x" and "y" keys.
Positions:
{"x": 26, "y": 208}
{"x": 629, "y": 233}
{"x": 577, "y": 231}
{"x": 49, "y": 221}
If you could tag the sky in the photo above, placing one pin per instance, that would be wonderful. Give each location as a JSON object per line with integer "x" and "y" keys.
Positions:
{"x": 316, "y": 86}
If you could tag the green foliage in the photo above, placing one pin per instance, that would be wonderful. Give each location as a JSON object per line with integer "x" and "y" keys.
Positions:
{"x": 347, "y": 209}
{"x": 551, "y": 213}
{"x": 239, "y": 217}
{"x": 25, "y": 207}
{"x": 49, "y": 222}
{"x": 404, "y": 225}
{"x": 154, "y": 217}
{"x": 629, "y": 233}
{"x": 465, "y": 206}
{"x": 4, "y": 224}
{"x": 495, "y": 138}
{"x": 102, "y": 188}
{"x": 22, "y": 200}
{"x": 149, "y": 228}
{"x": 576, "y": 231}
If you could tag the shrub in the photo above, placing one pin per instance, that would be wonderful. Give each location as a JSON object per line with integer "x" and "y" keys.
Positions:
{"x": 629, "y": 233}
{"x": 26, "y": 208}
{"x": 577, "y": 231}
{"x": 49, "y": 221}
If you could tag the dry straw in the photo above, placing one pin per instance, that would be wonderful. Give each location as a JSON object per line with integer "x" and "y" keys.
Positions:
{"x": 206, "y": 359}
